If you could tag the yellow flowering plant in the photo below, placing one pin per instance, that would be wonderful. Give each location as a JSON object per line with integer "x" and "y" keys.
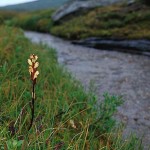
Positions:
{"x": 33, "y": 65}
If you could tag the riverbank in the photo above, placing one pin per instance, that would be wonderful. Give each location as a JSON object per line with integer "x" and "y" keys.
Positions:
{"x": 114, "y": 72}
{"x": 65, "y": 115}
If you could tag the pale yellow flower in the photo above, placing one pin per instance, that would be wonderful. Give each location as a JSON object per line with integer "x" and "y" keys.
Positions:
{"x": 36, "y": 74}
{"x": 30, "y": 69}
{"x": 33, "y": 65}
{"x": 36, "y": 65}
{"x": 33, "y": 58}
{"x": 30, "y": 62}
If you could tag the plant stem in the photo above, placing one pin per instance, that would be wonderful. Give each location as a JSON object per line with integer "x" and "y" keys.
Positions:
{"x": 32, "y": 105}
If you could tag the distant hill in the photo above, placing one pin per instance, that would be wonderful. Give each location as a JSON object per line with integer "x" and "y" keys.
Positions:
{"x": 36, "y": 5}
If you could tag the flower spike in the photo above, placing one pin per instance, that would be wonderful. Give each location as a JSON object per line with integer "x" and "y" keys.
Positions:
{"x": 33, "y": 65}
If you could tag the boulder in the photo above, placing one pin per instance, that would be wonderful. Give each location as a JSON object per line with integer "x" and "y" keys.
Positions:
{"x": 77, "y": 5}
{"x": 141, "y": 46}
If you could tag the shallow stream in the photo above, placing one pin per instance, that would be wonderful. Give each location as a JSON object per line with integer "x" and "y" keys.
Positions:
{"x": 114, "y": 72}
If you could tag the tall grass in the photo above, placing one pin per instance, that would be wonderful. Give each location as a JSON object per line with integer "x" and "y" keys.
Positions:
{"x": 6, "y": 15}
{"x": 37, "y": 21}
{"x": 66, "y": 117}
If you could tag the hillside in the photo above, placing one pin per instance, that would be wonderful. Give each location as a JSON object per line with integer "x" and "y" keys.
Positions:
{"x": 36, "y": 5}
{"x": 115, "y": 21}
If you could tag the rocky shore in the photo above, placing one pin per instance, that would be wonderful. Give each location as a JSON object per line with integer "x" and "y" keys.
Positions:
{"x": 128, "y": 46}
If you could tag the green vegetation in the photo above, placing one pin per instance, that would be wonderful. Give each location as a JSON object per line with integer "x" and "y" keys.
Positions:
{"x": 6, "y": 16}
{"x": 37, "y": 21}
{"x": 128, "y": 22}
{"x": 117, "y": 21}
{"x": 65, "y": 116}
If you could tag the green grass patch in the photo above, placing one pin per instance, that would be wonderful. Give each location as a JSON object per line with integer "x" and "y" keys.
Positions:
{"x": 6, "y": 15}
{"x": 65, "y": 115}
{"x": 117, "y": 21}
{"x": 36, "y": 21}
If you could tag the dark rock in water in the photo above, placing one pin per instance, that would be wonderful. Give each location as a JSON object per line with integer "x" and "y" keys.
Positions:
{"x": 128, "y": 46}
{"x": 78, "y": 5}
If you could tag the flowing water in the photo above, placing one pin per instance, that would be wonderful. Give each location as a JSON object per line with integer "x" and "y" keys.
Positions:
{"x": 114, "y": 72}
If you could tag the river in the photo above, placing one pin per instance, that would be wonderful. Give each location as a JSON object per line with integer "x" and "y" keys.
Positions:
{"x": 114, "y": 72}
